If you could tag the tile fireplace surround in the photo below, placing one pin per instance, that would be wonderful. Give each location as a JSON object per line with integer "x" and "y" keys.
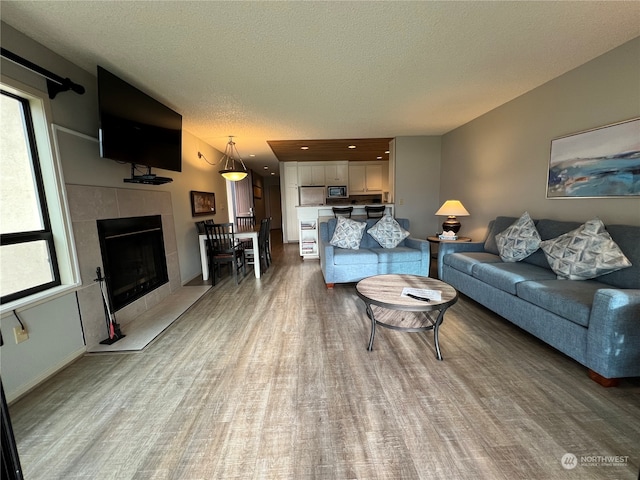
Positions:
{"x": 88, "y": 204}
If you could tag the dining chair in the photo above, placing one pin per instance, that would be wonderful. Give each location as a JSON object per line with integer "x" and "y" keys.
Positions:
{"x": 342, "y": 211}
{"x": 200, "y": 226}
{"x": 261, "y": 250}
{"x": 374, "y": 211}
{"x": 223, "y": 249}
{"x": 246, "y": 221}
{"x": 267, "y": 243}
{"x": 263, "y": 245}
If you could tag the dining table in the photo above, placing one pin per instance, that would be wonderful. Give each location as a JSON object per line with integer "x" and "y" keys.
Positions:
{"x": 250, "y": 233}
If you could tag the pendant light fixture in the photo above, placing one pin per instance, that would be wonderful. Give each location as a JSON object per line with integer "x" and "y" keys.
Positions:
{"x": 231, "y": 171}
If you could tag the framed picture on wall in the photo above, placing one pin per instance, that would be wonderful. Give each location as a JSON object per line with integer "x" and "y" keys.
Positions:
{"x": 598, "y": 163}
{"x": 257, "y": 192}
{"x": 203, "y": 203}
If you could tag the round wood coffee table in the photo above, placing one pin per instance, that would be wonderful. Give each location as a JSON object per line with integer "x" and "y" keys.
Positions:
{"x": 388, "y": 307}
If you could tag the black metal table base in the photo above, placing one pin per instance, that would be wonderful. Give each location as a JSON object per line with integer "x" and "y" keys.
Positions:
{"x": 434, "y": 325}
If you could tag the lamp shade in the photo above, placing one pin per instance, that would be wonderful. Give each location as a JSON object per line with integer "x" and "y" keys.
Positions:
{"x": 233, "y": 175}
{"x": 452, "y": 208}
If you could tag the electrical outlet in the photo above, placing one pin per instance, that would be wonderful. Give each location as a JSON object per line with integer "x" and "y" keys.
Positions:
{"x": 20, "y": 334}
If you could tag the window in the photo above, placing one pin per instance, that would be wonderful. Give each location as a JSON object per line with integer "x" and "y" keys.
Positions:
{"x": 243, "y": 196}
{"x": 35, "y": 247}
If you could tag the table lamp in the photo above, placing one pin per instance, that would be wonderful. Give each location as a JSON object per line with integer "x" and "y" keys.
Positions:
{"x": 451, "y": 209}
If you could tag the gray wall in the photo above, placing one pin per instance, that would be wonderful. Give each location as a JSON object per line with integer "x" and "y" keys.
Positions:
{"x": 497, "y": 164}
{"x": 417, "y": 183}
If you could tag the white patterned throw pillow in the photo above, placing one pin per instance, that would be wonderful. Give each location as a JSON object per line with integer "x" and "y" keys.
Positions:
{"x": 387, "y": 232}
{"x": 584, "y": 253}
{"x": 519, "y": 240}
{"x": 348, "y": 233}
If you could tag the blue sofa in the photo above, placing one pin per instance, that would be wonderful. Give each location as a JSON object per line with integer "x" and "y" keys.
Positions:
{"x": 340, "y": 265}
{"x": 595, "y": 322}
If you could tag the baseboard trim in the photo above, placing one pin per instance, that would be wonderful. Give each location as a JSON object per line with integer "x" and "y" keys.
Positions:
{"x": 27, "y": 387}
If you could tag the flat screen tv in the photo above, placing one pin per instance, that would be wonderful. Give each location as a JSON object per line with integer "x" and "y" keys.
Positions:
{"x": 135, "y": 128}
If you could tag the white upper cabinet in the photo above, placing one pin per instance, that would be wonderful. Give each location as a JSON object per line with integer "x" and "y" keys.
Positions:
{"x": 365, "y": 178}
{"x": 311, "y": 175}
{"x": 356, "y": 179}
{"x": 337, "y": 173}
{"x": 373, "y": 178}
{"x": 289, "y": 170}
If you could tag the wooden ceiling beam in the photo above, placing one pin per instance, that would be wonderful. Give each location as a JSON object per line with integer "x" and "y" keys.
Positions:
{"x": 367, "y": 149}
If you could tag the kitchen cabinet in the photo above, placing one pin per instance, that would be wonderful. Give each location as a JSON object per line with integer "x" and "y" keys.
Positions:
{"x": 311, "y": 175}
{"x": 337, "y": 173}
{"x": 361, "y": 178}
{"x": 290, "y": 200}
{"x": 373, "y": 178}
{"x": 365, "y": 179}
{"x": 356, "y": 179}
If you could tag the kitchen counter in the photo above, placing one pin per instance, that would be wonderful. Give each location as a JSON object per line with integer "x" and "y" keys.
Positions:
{"x": 358, "y": 210}
{"x": 309, "y": 217}
{"x": 354, "y": 205}
{"x": 319, "y": 211}
{"x": 346, "y": 204}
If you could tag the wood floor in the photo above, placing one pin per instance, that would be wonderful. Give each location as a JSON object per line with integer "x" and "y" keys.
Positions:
{"x": 271, "y": 379}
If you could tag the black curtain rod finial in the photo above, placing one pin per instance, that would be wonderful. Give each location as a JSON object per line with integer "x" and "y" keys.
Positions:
{"x": 54, "y": 88}
{"x": 55, "y": 83}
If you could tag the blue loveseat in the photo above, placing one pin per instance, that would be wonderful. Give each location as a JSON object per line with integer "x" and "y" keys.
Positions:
{"x": 341, "y": 265}
{"x": 595, "y": 322}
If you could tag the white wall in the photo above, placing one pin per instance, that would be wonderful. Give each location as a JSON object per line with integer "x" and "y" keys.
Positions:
{"x": 417, "y": 183}
{"x": 497, "y": 164}
{"x": 55, "y": 339}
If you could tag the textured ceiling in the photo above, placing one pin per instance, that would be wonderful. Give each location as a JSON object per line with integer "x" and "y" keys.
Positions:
{"x": 320, "y": 70}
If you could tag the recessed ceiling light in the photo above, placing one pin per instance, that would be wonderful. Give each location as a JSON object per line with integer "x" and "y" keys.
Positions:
{"x": 266, "y": 167}
{"x": 351, "y": 146}
{"x": 252, "y": 155}
{"x": 379, "y": 158}
{"x": 304, "y": 148}
{"x": 273, "y": 173}
{"x": 387, "y": 152}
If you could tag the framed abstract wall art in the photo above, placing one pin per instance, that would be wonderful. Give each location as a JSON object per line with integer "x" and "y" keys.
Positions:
{"x": 598, "y": 163}
{"x": 203, "y": 203}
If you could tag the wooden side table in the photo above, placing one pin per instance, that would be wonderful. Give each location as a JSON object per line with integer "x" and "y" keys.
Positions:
{"x": 435, "y": 240}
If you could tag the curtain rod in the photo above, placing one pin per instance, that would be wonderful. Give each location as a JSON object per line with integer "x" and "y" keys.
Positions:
{"x": 55, "y": 83}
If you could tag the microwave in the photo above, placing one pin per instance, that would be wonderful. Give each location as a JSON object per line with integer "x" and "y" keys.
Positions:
{"x": 337, "y": 192}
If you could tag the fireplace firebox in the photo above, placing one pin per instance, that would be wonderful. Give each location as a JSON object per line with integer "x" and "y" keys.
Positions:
{"x": 133, "y": 257}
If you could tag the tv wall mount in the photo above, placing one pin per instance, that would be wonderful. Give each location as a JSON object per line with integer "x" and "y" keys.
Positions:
{"x": 146, "y": 178}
